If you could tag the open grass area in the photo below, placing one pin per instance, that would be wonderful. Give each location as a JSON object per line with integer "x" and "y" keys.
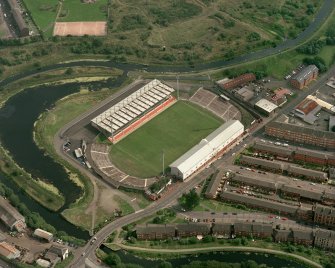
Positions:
{"x": 74, "y": 10}
{"x": 220, "y": 28}
{"x": 174, "y": 131}
{"x": 216, "y": 206}
{"x": 44, "y": 14}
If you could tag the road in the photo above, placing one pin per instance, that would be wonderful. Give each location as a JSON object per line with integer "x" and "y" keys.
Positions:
{"x": 320, "y": 17}
{"x": 89, "y": 250}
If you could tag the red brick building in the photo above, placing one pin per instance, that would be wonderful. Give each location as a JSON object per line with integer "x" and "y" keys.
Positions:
{"x": 299, "y": 134}
{"x": 239, "y": 81}
{"x": 304, "y": 77}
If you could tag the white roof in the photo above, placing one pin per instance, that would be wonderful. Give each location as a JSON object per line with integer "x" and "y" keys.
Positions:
{"x": 206, "y": 146}
{"x": 322, "y": 103}
{"x": 266, "y": 105}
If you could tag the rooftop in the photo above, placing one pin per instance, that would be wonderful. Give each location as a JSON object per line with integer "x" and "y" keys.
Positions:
{"x": 306, "y": 106}
{"x": 266, "y": 105}
{"x": 192, "y": 157}
{"x": 305, "y": 73}
{"x": 283, "y": 124}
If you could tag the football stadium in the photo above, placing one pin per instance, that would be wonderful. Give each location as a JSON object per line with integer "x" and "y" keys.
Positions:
{"x": 150, "y": 132}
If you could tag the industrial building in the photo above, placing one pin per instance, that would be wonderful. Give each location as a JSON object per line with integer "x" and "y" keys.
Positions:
{"x": 9, "y": 251}
{"x": 307, "y": 110}
{"x": 201, "y": 153}
{"x": 304, "y": 77}
{"x": 11, "y": 217}
{"x": 43, "y": 235}
{"x": 18, "y": 17}
{"x": 265, "y": 106}
{"x": 245, "y": 94}
{"x": 130, "y": 113}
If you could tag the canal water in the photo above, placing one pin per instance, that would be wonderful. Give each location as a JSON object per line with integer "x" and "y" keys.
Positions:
{"x": 17, "y": 118}
{"x": 226, "y": 257}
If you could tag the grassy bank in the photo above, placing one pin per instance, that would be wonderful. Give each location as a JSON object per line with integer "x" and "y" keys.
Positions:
{"x": 283, "y": 63}
{"x": 58, "y": 76}
{"x": 44, "y": 193}
{"x": 46, "y": 128}
{"x": 170, "y": 249}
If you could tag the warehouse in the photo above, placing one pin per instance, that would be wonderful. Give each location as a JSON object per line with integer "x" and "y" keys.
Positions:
{"x": 201, "y": 153}
{"x": 266, "y": 107}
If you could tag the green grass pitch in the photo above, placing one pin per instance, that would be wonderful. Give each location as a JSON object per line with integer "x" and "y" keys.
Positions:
{"x": 44, "y": 13}
{"x": 174, "y": 131}
{"x": 75, "y": 10}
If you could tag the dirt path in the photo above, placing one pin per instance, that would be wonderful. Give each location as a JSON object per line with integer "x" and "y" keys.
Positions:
{"x": 223, "y": 248}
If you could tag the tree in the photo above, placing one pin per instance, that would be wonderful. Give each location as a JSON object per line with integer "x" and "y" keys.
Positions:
{"x": 190, "y": 200}
{"x": 165, "y": 264}
{"x": 112, "y": 260}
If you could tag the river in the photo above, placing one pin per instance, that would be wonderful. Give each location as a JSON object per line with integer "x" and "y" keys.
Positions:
{"x": 17, "y": 118}
{"x": 227, "y": 257}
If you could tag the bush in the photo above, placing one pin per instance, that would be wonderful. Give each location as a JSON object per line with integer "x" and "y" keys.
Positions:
{"x": 112, "y": 260}
{"x": 253, "y": 37}
{"x": 312, "y": 48}
{"x": 319, "y": 62}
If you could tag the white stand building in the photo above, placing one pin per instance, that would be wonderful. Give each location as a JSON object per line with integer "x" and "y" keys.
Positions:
{"x": 201, "y": 153}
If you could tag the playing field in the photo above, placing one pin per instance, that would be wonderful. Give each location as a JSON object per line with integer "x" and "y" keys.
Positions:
{"x": 44, "y": 13}
{"x": 75, "y": 10}
{"x": 174, "y": 131}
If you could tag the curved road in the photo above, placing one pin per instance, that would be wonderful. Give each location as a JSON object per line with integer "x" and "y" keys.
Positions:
{"x": 324, "y": 12}
{"x": 89, "y": 250}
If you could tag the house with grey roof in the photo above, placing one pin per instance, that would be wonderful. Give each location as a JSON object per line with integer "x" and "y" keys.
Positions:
{"x": 155, "y": 231}
{"x": 255, "y": 181}
{"x": 324, "y": 215}
{"x": 214, "y": 184}
{"x": 262, "y": 230}
{"x": 303, "y": 236}
{"x": 307, "y": 173}
{"x": 281, "y": 151}
{"x": 324, "y": 239}
{"x": 222, "y": 229}
{"x": 57, "y": 252}
{"x": 282, "y": 235}
{"x": 262, "y": 163}
{"x": 242, "y": 228}
{"x": 193, "y": 229}
{"x": 263, "y": 204}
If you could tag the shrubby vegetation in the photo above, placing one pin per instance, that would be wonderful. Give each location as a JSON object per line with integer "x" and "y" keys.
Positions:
{"x": 163, "y": 216}
{"x": 113, "y": 260}
{"x": 312, "y": 48}
{"x": 180, "y": 9}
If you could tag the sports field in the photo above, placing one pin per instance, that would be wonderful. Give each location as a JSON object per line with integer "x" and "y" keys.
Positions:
{"x": 44, "y": 13}
{"x": 174, "y": 131}
{"x": 75, "y": 10}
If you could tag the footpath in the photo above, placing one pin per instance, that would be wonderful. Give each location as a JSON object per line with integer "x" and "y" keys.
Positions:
{"x": 222, "y": 248}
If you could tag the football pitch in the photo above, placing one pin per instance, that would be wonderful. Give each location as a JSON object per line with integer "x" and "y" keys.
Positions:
{"x": 173, "y": 132}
